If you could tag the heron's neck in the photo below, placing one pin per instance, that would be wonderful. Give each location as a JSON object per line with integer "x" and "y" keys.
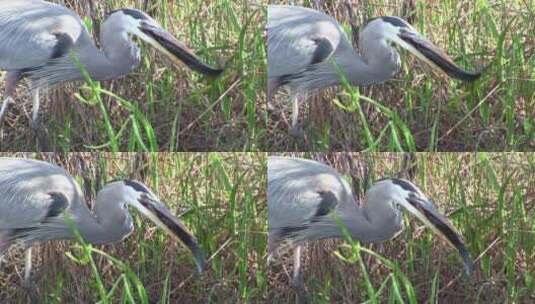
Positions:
{"x": 346, "y": 64}
{"x": 373, "y": 67}
{"x": 95, "y": 231}
{"x": 362, "y": 225}
{"x": 110, "y": 224}
{"x": 118, "y": 57}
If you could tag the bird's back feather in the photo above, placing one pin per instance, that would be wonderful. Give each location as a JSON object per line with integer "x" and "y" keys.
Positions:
{"x": 33, "y": 192}
{"x": 33, "y": 32}
{"x": 300, "y": 192}
{"x": 299, "y": 37}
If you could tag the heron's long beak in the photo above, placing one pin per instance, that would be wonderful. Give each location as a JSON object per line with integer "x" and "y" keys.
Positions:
{"x": 160, "y": 215}
{"x": 425, "y": 211}
{"x": 176, "y": 51}
{"x": 426, "y": 51}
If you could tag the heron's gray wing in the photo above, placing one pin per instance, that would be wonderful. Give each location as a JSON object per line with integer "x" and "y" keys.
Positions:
{"x": 300, "y": 192}
{"x": 328, "y": 202}
{"x": 33, "y": 192}
{"x": 299, "y": 37}
{"x": 33, "y": 32}
{"x": 322, "y": 204}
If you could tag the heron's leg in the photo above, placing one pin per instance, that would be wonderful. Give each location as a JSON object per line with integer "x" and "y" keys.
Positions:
{"x": 38, "y": 129}
{"x": 4, "y": 107}
{"x": 27, "y": 266}
{"x": 269, "y": 259}
{"x": 295, "y": 111}
{"x": 271, "y": 249}
{"x": 297, "y": 278}
{"x": 11, "y": 81}
{"x": 35, "y": 110}
{"x": 273, "y": 84}
{"x": 297, "y": 130}
{"x": 298, "y": 282}
{"x": 27, "y": 284}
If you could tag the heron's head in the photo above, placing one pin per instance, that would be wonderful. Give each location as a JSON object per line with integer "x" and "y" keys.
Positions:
{"x": 138, "y": 23}
{"x": 403, "y": 193}
{"x": 139, "y": 196}
{"x": 398, "y": 31}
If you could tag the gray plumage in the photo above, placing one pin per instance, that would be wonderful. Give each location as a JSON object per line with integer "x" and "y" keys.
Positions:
{"x": 49, "y": 44}
{"x": 28, "y": 190}
{"x": 296, "y": 190}
{"x": 308, "y": 50}
{"x": 310, "y": 201}
{"x": 42, "y": 202}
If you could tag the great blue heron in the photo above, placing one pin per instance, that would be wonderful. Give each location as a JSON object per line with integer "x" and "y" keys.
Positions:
{"x": 309, "y": 201}
{"x": 49, "y": 44}
{"x": 42, "y": 202}
{"x": 308, "y": 50}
